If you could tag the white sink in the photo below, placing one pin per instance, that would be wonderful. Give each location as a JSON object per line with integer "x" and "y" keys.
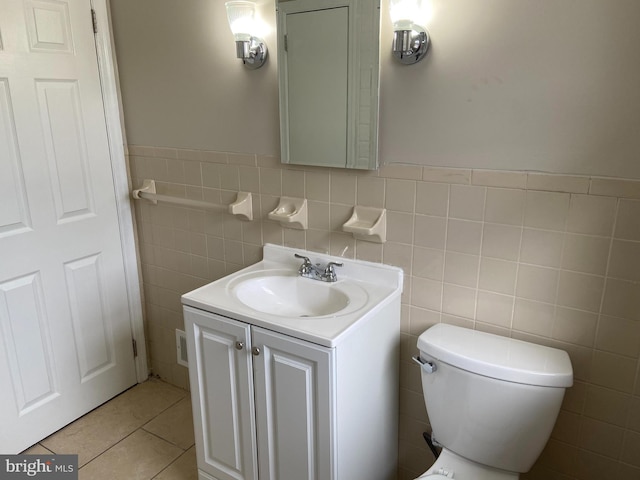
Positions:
{"x": 271, "y": 294}
{"x": 283, "y": 292}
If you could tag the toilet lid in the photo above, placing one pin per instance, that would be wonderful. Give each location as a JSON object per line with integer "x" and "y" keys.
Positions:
{"x": 434, "y": 476}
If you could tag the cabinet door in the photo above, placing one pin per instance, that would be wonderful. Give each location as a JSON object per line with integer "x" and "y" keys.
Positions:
{"x": 294, "y": 391}
{"x": 222, "y": 395}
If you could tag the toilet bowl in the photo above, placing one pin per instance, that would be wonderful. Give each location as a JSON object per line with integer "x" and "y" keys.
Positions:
{"x": 492, "y": 401}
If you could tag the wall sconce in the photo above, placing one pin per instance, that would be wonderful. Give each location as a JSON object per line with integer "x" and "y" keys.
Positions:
{"x": 410, "y": 41}
{"x": 252, "y": 50}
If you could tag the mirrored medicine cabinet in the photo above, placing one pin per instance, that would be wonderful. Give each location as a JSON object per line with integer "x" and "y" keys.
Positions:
{"x": 328, "y": 73}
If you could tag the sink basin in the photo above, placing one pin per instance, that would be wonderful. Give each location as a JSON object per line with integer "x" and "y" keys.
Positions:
{"x": 283, "y": 293}
{"x": 271, "y": 295}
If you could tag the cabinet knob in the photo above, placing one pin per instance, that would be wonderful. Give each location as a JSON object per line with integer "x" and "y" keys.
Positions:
{"x": 239, "y": 345}
{"x": 255, "y": 351}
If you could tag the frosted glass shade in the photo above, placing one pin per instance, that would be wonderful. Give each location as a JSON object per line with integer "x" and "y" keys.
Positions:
{"x": 404, "y": 13}
{"x": 241, "y": 19}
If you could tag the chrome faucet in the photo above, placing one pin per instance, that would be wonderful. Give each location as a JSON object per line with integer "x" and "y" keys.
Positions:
{"x": 316, "y": 272}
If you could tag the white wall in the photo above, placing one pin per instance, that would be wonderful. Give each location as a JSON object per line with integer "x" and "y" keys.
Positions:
{"x": 549, "y": 85}
{"x": 542, "y": 85}
{"x": 182, "y": 85}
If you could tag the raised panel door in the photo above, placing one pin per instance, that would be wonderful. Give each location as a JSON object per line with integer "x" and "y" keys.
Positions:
{"x": 64, "y": 308}
{"x": 222, "y": 395}
{"x": 295, "y": 402}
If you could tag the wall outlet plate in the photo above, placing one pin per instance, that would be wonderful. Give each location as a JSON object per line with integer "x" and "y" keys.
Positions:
{"x": 181, "y": 348}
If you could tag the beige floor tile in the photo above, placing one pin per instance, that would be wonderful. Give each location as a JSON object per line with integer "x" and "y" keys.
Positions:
{"x": 37, "y": 449}
{"x": 140, "y": 456}
{"x": 175, "y": 424}
{"x": 184, "y": 468}
{"x": 107, "y": 425}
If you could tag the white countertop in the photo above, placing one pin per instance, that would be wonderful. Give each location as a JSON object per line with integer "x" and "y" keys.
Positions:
{"x": 382, "y": 283}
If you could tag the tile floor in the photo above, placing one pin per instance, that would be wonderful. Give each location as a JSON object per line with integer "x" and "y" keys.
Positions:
{"x": 144, "y": 433}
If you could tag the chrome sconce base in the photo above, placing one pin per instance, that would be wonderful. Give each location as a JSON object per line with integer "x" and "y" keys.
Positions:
{"x": 253, "y": 52}
{"x": 410, "y": 46}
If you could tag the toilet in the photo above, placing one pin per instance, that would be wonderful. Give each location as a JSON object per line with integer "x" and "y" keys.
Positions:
{"x": 492, "y": 401}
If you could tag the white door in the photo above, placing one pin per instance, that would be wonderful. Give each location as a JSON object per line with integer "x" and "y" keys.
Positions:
{"x": 294, "y": 391}
{"x": 65, "y": 331}
{"x": 222, "y": 395}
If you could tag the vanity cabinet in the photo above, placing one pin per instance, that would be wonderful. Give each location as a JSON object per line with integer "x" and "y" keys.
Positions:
{"x": 270, "y": 406}
{"x": 259, "y": 394}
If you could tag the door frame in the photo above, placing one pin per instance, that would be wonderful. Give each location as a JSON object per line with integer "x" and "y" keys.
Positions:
{"x": 110, "y": 86}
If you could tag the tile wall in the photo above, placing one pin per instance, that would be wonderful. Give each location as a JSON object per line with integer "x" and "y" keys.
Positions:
{"x": 553, "y": 259}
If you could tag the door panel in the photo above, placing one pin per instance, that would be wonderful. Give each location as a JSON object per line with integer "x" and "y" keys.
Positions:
{"x": 294, "y": 406}
{"x": 27, "y": 342}
{"x": 222, "y": 395}
{"x": 90, "y": 316}
{"x": 65, "y": 146}
{"x": 14, "y": 214}
{"x": 64, "y": 308}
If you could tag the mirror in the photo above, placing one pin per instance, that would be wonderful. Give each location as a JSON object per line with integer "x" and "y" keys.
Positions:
{"x": 328, "y": 74}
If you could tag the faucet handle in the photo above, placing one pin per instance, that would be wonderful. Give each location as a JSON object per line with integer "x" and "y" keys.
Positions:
{"x": 306, "y": 266}
{"x": 330, "y": 266}
{"x": 306, "y": 259}
{"x": 329, "y": 271}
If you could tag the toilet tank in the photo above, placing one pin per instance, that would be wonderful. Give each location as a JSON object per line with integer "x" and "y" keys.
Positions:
{"x": 492, "y": 399}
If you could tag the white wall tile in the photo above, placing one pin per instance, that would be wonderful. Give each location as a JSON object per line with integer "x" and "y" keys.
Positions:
{"x": 628, "y": 220}
{"x": 537, "y": 283}
{"x": 518, "y": 293}
{"x": 591, "y": 215}
{"x": 271, "y": 181}
{"x": 498, "y": 275}
{"x": 461, "y": 269}
{"x": 504, "y": 206}
{"x": 585, "y": 253}
{"x": 464, "y": 236}
{"x": 343, "y": 188}
{"x": 459, "y": 301}
{"x": 558, "y": 183}
{"x": 547, "y": 210}
{"x": 432, "y": 199}
{"x": 501, "y": 241}
{"x": 317, "y": 186}
{"x": 229, "y": 177}
{"x": 249, "y": 179}
{"x": 446, "y": 175}
{"x": 293, "y": 183}
{"x": 533, "y": 317}
{"x": 399, "y": 255}
{"x": 495, "y": 309}
{"x": 400, "y": 227}
{"x": 401, "y": 195}
{"x": 541, "y": 247}
{"x": 428, "y": 263}
{"x": 493, "y": 178}
{"x": 430, "y": 231}
{"x": 613, "y": 187}
{"x": 426, "y": 293}
{"x": 370, "y": 192}
{"x": 619, "y": 335}
{"x": 575, "y": 326}
{"x": 625, "y": 260}
{"x": 192, "y": 173}
{"x": 407, "y": 172}
{"x": 581, "y": 291}
{"x": 466, "y": 202}
{"x": 621, "y": 299}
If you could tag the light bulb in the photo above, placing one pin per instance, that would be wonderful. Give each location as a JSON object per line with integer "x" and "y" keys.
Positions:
{"x": 241, "y": 19}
